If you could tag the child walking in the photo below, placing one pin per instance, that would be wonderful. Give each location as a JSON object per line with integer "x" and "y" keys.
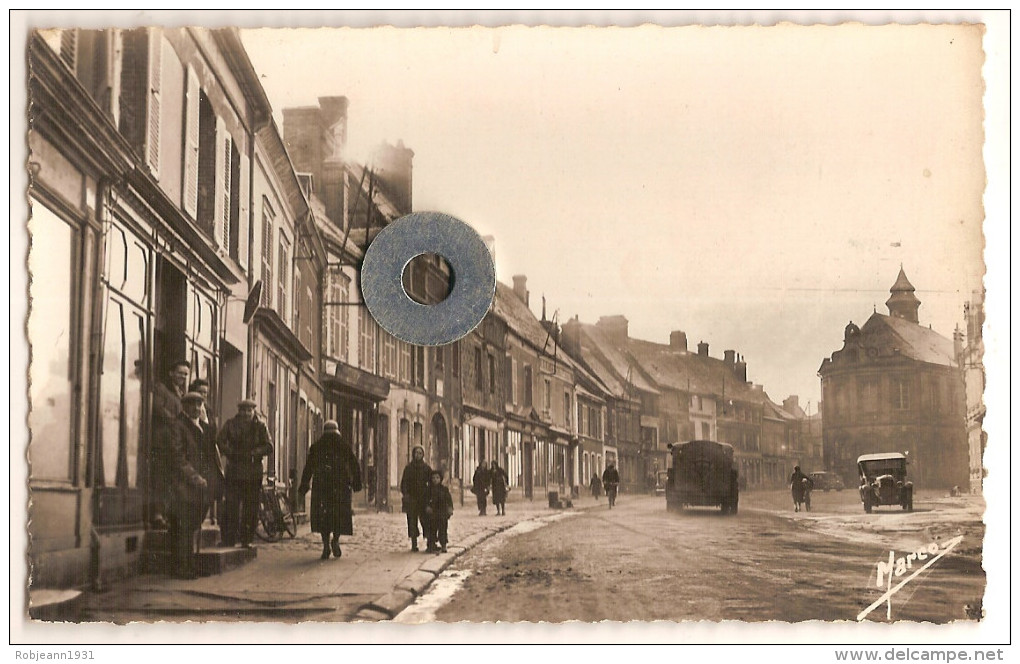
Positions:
{"x": 438, "y": 510}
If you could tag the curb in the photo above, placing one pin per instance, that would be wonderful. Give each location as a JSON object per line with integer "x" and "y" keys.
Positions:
{"x": 413, "y": 586}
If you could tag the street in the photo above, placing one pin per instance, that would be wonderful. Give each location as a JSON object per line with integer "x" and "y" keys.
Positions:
{"x": 638, "y": 562}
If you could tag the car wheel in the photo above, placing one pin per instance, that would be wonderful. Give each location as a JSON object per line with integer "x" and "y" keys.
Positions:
{"x": 867, "y": 505}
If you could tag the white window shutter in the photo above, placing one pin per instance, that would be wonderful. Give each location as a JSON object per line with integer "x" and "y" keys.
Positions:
{"x": 155, "y": 83}
{"x": 244, "y": 219}
{"x": 191, "y": 145}
{"x": 219, "y": 214}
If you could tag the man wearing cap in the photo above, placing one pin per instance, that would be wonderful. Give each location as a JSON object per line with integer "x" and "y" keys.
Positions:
{"x": 209, "y": 446}
{"x": 244, "y": 440}
{"x": 166, "y": 406}
{"x": 191, "y": 468}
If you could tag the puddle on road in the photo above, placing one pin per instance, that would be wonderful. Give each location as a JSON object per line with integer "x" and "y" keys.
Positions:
{"x": 449, "y": 582}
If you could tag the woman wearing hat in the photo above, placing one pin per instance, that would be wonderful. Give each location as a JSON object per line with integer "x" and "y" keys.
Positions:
{"x": 333, "y": 473}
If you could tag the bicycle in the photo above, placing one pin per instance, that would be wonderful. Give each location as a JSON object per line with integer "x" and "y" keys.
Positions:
{"x": 275, "y": 516}
{"x": 611, "y": 493}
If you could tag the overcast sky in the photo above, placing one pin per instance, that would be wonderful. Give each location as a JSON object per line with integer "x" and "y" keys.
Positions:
{"x": 757, "y": 188}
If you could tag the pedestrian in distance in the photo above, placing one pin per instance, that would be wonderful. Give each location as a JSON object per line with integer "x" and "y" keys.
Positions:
{"x": 438, "y": 510}
{"x": 797, "y": 487}
{"x": 480, "y": 483}
{"x": 500, "y": 485}
{"x": 414, "y": 483}
{"x": 333, "y": 473}
{"x": 166, "y": 406}
{"x": 596, "y": 486}
{"x": 244, "y": 440}
{"x": 191, "y": 471}
{"x": 611, "y": 480}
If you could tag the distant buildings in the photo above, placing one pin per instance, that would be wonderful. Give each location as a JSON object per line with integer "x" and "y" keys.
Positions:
{"x": 896, "y": 386}
{"x": 974, "y": 380}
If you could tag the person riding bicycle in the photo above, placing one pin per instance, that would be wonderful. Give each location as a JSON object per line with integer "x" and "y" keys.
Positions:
{"x": 611, "y": 480}
{"x": 798, "y": 483}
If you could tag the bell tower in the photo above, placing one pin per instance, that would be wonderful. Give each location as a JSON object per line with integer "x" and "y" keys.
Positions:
{"x": 903, "y": 303}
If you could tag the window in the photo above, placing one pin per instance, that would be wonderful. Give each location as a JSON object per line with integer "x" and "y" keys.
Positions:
{"x": 512, "y": 391}
{"x": 282, "y": 284}
{"x": 53, "y": 337}
{"x": 566, "y": 408}
{"x": 527, "y": 386}
{"x": 205, "y": 184}
{"x": 389, "y": 355}
{"x": 440, "y": 359}
{"x": 268, "y": 217}
{"x": 547, "y": 395}
{"x": 405, "y": 362}
{"x": 337, "y": 316}
{"x": 901, "y": 394}
{"x": 154, "y": 97}
{"x": 366, "y": 349}
{"x": 418, "y": 366}
{"x": 478, "y": 369}
{"x": 455, "y": 359}
{"x": 868, "y": 395}
{"x": 492, "y": 374}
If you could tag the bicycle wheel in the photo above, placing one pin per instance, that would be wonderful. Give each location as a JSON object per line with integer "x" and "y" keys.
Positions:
{"x": 286, "y": 515}
{"x": 267, "y": 527}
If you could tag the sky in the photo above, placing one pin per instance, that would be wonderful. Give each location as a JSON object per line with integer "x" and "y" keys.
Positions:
{"x": 756, "y": 187}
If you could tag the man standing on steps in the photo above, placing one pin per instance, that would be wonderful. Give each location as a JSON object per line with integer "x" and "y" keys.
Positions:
{"x": 166, "y": 406}
{"x": 191, "y": 468}
{"x": 244, "y": 440}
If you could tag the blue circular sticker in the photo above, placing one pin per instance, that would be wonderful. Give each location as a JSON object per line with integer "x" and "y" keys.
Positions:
{"x": 474, "y": 278}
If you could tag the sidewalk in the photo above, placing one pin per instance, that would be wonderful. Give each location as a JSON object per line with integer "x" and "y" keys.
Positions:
{"x": 376, "y": 578}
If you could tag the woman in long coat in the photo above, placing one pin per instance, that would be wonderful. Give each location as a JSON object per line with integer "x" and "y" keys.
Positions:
{"x": 500, "y": 485}
{"x": 333, "y": 472}
{"x": 413, "y": 484}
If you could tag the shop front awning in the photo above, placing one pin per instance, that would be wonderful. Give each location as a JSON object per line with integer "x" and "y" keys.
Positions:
{"x": 352, "y": 381}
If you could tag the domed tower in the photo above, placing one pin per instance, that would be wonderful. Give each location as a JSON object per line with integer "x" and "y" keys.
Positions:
{"x": 903, "y": 303}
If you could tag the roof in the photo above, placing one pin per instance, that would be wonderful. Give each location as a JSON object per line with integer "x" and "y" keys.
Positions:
{"x": 691, "y": 372}
{"x": 902, "y": 283}
{"x": 881, "y": 457}
{"x": 614, "y": 359}
{"x": 382, "y": 202}
{"x": 523, "y": 323}
{"x": 919, "y": 343}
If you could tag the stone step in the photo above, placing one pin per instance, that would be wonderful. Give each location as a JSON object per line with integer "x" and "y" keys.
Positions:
{"x": 159, "y": 540}
{"x": 209, "y": 561}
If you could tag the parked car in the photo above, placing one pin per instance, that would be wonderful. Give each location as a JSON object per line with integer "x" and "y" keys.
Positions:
{"x": 827, "y": 481}
{"x": 884, "y": 481}
{"x": 703, "y": 474}
{"x": 660, "y": 482}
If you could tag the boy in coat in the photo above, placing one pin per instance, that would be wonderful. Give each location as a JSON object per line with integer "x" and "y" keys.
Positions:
{"x": 438, "y": 510}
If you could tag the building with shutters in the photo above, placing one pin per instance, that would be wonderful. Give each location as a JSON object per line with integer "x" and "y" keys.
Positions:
{"x": 896, "y": 386}
{"x": 142, "y": 146}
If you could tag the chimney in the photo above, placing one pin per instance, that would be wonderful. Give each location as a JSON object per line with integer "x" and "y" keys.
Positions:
{"x": 958, "y": 344}
{"x": 615, "y": 327}
{"x": 334, "y": 117}
{"x": 393, "y": 168}
{"x": 791, "y": 404}
{"x": 570, "y": 337}
{"x": 521, "y": 287}
{"x": 740, "y": 368}
{"x": 678, "y": 340}
{"x": 702, "y": 349}
{"x": 729, "y": 356}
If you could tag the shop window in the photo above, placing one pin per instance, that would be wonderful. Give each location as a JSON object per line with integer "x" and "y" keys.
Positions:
{"x": 54, "y": 270}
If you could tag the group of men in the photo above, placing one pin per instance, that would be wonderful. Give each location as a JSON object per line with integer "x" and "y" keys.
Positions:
{"x": 194, "y": 466}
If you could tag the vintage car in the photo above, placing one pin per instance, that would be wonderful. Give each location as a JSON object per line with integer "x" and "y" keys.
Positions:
{"x": 884, "y": 481}
{"x": 703, "y": 474}
{"x": 661, "y": 478}
{"x": 823, "y": 481}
